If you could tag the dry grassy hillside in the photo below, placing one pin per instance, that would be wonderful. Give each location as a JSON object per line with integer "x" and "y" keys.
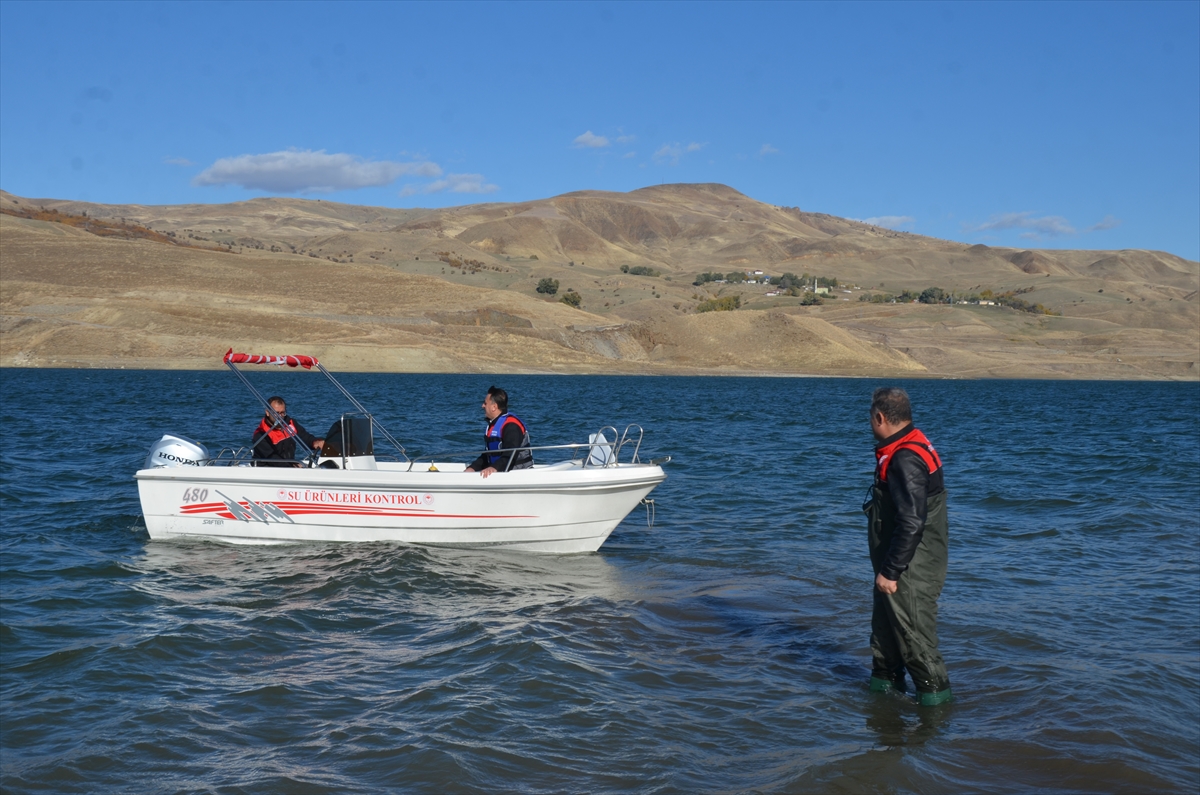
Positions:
{"x": 455, "y": 290}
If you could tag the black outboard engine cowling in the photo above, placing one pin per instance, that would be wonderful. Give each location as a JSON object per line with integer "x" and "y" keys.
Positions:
{"x": 176, "y": 451}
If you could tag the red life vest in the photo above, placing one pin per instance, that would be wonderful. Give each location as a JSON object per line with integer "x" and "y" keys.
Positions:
{"x": 913, "y": 440}
{"x": 277, "y": 435}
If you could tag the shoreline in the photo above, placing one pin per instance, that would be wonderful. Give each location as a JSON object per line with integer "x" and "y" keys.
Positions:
{"x": 643, "y": 373}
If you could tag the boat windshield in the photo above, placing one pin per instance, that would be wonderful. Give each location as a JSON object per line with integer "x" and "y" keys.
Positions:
{"x": 349, "y": 436}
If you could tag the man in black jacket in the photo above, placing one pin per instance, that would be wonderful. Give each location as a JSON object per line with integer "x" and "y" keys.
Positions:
{"x": 504, "y": 432}
{"x": 909, "y": 535}
{"x": 275, "y": 445}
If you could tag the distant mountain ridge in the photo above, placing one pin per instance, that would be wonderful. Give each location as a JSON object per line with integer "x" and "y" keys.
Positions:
{"x": 591, "y": 242}
{"x": 673, "y": 227}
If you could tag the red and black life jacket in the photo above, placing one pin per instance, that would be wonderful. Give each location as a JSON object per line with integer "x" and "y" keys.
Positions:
{"x": 913, "y": 440}
{"x": 277, "y": 435}
{"x": 523, "y": 458}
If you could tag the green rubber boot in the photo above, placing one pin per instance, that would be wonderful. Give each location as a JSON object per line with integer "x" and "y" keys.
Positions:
{"x": 880, "y": 685}
{"x": 933, "y": 699}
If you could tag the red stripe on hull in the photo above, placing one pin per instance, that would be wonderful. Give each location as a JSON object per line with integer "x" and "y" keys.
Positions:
{"x": 321, "y": 510}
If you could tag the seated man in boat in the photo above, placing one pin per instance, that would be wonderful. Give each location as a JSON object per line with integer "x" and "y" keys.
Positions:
{"x": 504, "y": 432}
{"x": 274, "y": 445}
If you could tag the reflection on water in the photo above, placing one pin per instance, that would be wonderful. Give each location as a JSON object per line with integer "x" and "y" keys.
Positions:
{"x": 897, "y": 722}
{"x": 442, "y": 581}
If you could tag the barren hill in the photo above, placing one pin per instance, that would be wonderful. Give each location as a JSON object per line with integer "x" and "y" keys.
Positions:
{"x": 456, "y": 289}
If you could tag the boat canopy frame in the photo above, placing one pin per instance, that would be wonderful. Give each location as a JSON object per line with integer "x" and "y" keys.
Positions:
{"x": 598, "y": 452}
{"x": 307, "y": 362}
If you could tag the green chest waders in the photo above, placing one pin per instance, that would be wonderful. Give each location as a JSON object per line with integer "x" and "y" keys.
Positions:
{"x": 904, "y": 624}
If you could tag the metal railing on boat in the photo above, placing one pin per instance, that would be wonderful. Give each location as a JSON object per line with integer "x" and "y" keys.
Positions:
{"x": 599, "y": 451}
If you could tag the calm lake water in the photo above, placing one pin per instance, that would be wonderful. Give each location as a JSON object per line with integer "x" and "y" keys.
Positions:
{"x": 722, "y": 650}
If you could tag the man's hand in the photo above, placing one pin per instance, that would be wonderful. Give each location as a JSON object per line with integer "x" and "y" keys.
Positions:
{"x": 488, "y": 471}
{"x": 318, "y": 444}
{"x": 885, "y": 585}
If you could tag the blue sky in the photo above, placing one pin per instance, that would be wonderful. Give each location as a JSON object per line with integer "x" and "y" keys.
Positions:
{"x": 1073, "y": 125}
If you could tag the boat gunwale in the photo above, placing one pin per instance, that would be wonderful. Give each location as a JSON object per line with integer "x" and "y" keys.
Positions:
{"x": 618, "y": 476}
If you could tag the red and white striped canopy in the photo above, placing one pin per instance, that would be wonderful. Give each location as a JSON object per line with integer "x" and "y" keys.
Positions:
{"x": 307, "y": 362}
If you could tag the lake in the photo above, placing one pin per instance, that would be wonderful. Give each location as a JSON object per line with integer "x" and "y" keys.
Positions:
{"x": 723, "y": 649}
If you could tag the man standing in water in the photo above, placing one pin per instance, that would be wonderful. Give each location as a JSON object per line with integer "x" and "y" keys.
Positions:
{"x": 908, "y": 534}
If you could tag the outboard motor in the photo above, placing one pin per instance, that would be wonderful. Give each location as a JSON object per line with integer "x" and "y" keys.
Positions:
{"x": 176, "y": 451}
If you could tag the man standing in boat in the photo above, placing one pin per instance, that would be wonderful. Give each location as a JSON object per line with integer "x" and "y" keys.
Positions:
{"x": 908, "y": 534}
{"x": 275, "y": 445}
{"x": 504, "y": 432}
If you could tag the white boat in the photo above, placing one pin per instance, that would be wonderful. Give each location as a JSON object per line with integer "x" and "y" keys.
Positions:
{"x": 346, "y": 493}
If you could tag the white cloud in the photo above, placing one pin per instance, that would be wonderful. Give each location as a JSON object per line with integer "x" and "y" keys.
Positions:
{"x": 628, "y": 155}
{"x": 671, "y": 153}
{"x": 463, "y": 183}
{"x": 178, "y": 161}
{"x": 1041, "y": 228}
{"x": 767, "y": 149}
{"x": 1108, "y": 223}
{"x": 1046, "y": 226}
{"x": 306, "y": 171}
{"x": 626, "y": 139}
{"x": 590, "y": 141}
{"x": 453, "y": 183}
{"x": 889, "y": 221}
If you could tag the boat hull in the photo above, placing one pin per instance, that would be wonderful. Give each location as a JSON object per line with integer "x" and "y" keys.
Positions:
{"x": 555, "y": 509}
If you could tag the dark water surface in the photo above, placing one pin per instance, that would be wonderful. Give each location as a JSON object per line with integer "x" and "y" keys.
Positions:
{"x": 723, "y": 650}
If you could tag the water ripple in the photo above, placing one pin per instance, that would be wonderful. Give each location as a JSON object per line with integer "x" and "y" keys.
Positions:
{"x": 723, "y": 650}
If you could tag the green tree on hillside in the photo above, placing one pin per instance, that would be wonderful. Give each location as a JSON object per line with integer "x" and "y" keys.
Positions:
{"x": 639, "y": 270}
{"x": 548, "y": 286}
{"x": 726, "y": 304}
